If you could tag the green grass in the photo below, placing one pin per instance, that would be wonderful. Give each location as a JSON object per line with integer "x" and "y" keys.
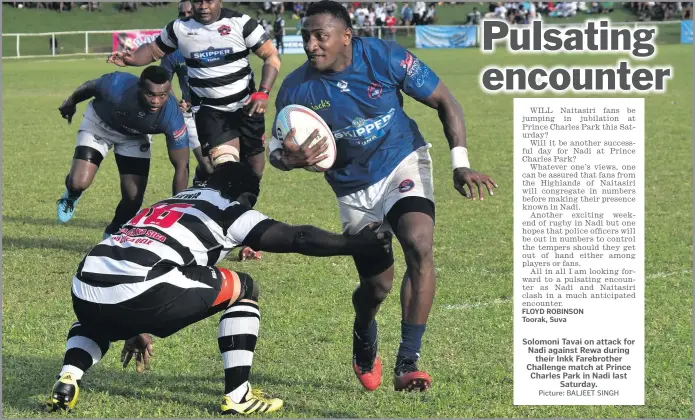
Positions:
{"x": 41, "y": 21}
{"x": 304, "y": 348}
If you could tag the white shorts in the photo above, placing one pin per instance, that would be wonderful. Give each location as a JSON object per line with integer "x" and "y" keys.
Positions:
{"x": 411, "y": 178}
{"x": 96, "y": 134}
{"x": 193, "y": 141}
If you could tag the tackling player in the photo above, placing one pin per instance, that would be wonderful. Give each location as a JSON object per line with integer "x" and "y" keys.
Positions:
{"x": 229, "y": 111}
{"x": 125, "y": 111}
{"x": 157, "y": 275}
{"x": 383, "y": 170}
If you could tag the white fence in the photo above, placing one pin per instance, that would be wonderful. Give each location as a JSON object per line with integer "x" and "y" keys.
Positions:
{"x": 100, "y": 42}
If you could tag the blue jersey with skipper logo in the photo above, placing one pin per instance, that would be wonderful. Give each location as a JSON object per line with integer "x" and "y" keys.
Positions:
{"x": 175, "y": 64}
{"x": 117, "y": 103}
{"x": 362, "y": 105}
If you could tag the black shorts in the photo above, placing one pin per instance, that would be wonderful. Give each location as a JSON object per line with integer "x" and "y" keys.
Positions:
{"x": 161, "y": 310}
{"x": 217, "y": 127}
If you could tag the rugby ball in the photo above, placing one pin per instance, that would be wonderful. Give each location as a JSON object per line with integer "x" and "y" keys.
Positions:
{"x": 305, "y": 121}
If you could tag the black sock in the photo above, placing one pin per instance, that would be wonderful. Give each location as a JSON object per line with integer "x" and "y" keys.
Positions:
{"x": 411, "y": 340}
{"x": 364, "y": 341}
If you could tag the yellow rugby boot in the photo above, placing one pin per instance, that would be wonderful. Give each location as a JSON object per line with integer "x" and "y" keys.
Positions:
{"x": 255, "y": 401}
{"x": 65, "y": 392}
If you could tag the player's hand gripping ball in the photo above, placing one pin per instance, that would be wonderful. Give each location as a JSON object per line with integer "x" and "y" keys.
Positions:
{"x": 306, "y": 139}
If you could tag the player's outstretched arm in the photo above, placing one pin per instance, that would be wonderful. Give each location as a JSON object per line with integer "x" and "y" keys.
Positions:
{"x": 144, "y": 55}
{"x": 451, "y": 117}
{"x": 179, "y": 160}
{"x": 87, "y": 91}
{"x": 278, "y": 237}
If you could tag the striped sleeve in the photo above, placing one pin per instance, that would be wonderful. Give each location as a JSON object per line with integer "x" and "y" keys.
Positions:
{"x": 254, "y": 34}
{"x": 167, "y": 41}
{"x": 244, "y": 222}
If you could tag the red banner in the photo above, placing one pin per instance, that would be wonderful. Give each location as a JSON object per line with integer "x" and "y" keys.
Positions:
{"x": 131, "y": 40}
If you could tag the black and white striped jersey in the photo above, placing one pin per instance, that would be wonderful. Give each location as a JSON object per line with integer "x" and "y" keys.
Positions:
{"x": 195, "y": 227}
{"x": 217, "y": 56}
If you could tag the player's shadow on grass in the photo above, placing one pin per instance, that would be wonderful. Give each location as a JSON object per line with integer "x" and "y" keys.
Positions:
{"x": 8, "y": 243}
{"x": 82, "y": 223}
{"x": 27, "y": 382}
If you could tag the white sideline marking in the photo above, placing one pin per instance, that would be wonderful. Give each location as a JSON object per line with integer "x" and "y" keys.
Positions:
{"x": 495, "y": 302}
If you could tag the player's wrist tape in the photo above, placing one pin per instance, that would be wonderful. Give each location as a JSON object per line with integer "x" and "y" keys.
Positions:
{"x": 259, "y": 95}
{"x": 459, "y": 158}
{"x": 264, "y": 89}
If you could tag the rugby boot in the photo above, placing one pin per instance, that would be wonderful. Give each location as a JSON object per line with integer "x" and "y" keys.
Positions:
{"x": 255, "y": 401}
{"x": 366, "y": 363}
{"x": 66, "y": 208}
{"x": 65, "y": 392}
{"x": 407, "y": 377}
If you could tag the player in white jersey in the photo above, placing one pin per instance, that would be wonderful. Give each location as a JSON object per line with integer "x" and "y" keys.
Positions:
{"x": 215, "y": 43}
{"x": 158, "y": 275}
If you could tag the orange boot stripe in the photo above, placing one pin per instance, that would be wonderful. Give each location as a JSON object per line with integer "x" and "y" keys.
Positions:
{"x": 227, "y": 291}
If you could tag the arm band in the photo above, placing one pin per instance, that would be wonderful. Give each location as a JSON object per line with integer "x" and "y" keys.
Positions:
{"x": 459, "y": 158}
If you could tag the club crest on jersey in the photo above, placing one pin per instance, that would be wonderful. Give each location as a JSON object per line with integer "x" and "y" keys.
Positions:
{"x": 224, "y": 30}
{"x": 406, "y": 185}
{"x": 211, "y": 55}
{"x": 141, "y": 114}
{"x": 343, "y": 86}
{"x": 374, "y": 90}
{"x": 364, "y": 131}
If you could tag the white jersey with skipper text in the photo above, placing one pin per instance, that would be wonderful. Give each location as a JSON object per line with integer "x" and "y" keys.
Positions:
{"x": 216, "y": 55}
{"x": 195, "y": 227}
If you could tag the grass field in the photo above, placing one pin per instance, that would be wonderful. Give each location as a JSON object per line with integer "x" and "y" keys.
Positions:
{"x": 305, "y": 342}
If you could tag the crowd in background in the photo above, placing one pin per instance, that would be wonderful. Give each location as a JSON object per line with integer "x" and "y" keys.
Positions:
{"x": 367, "y": 16}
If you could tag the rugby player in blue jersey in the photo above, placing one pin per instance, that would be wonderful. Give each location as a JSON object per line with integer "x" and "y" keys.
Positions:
{"x": 383, "y": 172}
{"x": 123, "y": 114}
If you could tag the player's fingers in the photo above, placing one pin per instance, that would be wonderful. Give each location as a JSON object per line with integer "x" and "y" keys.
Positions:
{"x": 307, "y": 143}
{"x": 460, "y": 188}
{"x": 146, "y": 357}
{"x": 490, "y": 187}
{"x": 150, "y": 350}
{"x": 128, "y": 356}
{"x": 318, "y": 148}
{"x": 471, "y": 189}
{"x": 479, "y": 184}
{"x": 138, "y": 361}
{"x": 288, "y": 143}
{"x": 316, "y": 160}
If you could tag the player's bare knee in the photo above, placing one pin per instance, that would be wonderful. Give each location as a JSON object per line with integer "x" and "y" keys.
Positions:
{"x": 381, "y": 287}
{"x": 417, "y": 247}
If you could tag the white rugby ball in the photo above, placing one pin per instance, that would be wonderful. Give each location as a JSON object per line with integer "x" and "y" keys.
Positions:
{"x": 305, "y": 121}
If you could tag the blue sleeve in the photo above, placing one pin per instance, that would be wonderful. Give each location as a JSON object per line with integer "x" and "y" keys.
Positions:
{"x": 411, "y": 74}
{"x": 168, "y": 65}
{"x": 174, "y": 126}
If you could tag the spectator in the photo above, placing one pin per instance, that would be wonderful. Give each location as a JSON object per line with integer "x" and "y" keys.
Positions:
{"x": 390, "y": 25}
{"x": 407, "y": 16}
{"x": 474, "y": 17}
{"x": 430, "y": 14}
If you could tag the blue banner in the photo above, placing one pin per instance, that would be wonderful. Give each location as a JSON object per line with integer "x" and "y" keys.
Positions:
{"x": 433, "y": 36}
{"x": 293, "y": 44}
{"x": 686, "y": 32}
